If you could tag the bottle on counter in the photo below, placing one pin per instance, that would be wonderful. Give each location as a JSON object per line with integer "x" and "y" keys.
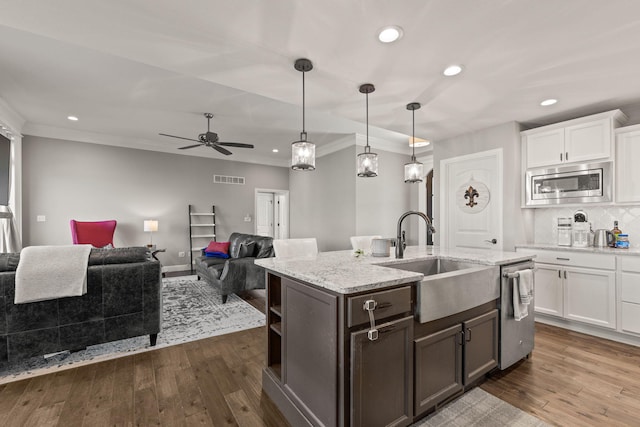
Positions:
{"x": 615, "y": 231}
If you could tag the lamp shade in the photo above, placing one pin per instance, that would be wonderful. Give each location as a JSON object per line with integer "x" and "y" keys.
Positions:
{"x": 367, "y": 164}
{"x": 303, "y": 155}
{"x": 413, "y": 171}
{"x": 150, "y": 225}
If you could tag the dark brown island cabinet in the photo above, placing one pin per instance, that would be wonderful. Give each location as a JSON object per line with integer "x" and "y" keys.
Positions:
{"x": 362, "y": 359}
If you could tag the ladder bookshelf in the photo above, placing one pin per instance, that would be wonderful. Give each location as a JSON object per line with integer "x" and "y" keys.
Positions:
{"x": 202, "y": 229}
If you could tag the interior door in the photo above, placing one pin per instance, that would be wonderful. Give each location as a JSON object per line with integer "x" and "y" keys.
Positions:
{"x": 264, "y": 214}
{"x": 471, "y": 203}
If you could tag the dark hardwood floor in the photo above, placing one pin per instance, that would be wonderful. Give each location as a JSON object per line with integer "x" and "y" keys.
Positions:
{"x": 571, "y": 380}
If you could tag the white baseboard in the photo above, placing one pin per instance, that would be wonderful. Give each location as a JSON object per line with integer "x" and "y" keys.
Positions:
{"x": 172, "y": 268}
{"x": 589, "y": 330}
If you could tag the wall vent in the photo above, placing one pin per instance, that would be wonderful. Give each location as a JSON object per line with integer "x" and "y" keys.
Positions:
{"x": 223, "y": 179}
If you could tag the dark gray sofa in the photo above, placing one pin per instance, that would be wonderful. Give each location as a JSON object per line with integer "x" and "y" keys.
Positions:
{"x": 237, "y": 273}
{"x": 123, "y": 300}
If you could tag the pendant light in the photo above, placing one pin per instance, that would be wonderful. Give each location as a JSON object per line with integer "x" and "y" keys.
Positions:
{"x": 413, "y": 169}
{"x": 367, "y": 162}
{"x": 303, "y": 152}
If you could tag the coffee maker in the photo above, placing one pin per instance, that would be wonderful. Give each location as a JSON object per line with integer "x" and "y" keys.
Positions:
{"x": 582, "y": 234}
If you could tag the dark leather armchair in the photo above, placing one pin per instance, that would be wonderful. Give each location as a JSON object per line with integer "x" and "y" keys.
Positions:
{"x": 237, "y": 273}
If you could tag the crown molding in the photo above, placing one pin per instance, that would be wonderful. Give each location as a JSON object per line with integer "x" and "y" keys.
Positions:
{"x": 11, "y": 118}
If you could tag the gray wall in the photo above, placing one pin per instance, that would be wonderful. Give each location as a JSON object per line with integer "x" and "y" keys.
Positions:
{"x": 381, "y": 200}
{"x": 517, "y": 222}
{"x": 66, "y": 180}
{"x": 332, "y": 203}
{"x": 323, "y": 201}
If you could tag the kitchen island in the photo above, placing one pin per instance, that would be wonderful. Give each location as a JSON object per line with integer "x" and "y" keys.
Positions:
{"x": 345, "y": 344}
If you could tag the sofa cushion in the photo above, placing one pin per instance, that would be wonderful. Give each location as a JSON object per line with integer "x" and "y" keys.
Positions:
{"x": 118, "y": 255}
{"x": 264, "y": 247}
{"x": 9, "y": 261}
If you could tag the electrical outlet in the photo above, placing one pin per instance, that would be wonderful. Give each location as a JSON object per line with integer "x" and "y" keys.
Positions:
{"x": 181, "y": 254}
{"x": 41, "y": 218}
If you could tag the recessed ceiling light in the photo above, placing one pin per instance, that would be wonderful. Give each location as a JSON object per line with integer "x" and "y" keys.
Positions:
{"x": 389, "y": 34}
{"x": 275, "y": 150}
{"x": 418, "y": 142}
{"x": 72, "y": 118}
{"x": 452, "y": 70}
{"x": 548, "y": 102}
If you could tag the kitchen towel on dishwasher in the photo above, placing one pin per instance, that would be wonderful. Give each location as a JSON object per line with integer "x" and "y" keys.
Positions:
{"x": 522, "y": 292}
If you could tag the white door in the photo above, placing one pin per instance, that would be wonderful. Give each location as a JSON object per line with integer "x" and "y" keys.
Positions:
{"x": 280, "y": 217}
{"x": 264, "y": 214}
{"x": 471, "y": 201}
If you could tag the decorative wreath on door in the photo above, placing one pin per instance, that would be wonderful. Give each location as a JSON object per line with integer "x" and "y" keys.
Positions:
{"x": 473, "y": 196}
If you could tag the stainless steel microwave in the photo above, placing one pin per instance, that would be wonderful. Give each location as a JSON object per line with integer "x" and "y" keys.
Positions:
{"x": 583, "y": 183}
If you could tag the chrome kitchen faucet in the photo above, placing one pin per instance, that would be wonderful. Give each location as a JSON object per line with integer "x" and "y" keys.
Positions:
{"x": 400, "y": 243}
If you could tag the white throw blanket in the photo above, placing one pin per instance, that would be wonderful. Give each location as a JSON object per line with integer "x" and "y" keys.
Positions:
{"x": 522, "y": 294}
{"x": 50, "y": 272}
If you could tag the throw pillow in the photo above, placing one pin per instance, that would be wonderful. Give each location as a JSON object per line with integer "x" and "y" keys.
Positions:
{"x": 247, "y": 249}
{"x": 216, "y": 254}
{"x": 222, "y": 247}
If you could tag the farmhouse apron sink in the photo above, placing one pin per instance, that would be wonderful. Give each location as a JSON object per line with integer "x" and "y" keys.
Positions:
{"x": 450, "y": 287}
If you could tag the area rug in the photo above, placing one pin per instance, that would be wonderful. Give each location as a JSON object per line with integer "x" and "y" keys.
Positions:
{"x": 479, "y": 408}
{"x": 192, "y": 310}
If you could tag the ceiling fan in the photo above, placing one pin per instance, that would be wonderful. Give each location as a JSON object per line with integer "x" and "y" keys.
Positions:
{"x": 210, "y": 139}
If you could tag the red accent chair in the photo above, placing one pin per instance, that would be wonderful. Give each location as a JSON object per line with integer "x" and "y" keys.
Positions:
{"x": 96, "y": 233}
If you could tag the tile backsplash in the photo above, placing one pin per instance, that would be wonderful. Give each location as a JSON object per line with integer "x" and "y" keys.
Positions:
{"x": 628, "y": 217}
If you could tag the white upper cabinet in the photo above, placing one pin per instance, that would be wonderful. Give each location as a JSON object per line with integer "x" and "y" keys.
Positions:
{"x": 627, "y": 170}
{"x": 585, "y": 139}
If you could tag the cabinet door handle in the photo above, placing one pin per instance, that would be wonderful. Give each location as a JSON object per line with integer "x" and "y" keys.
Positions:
{"x": 384, "y": 305}
{"x": 370, "y": 305}
{"x": 566, "y": 156}
{"x": 560, "y": 156}
{"x": 563, "y": 259}
{"x": 559, "y": 275}
{"x": 565, "y": 274}
{"x": 461, "y": 338}
{"x": 468, "y": 334}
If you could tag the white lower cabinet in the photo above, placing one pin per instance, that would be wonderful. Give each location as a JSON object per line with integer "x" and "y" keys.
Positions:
{"x": 583, "y": 294}
{"x": 549, "y": 290}
{"x": 630, "y": 294}
{"x": 590, "y": 296}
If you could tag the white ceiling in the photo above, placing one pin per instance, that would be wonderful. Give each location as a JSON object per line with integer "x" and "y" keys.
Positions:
{"x": 130, "y": 69}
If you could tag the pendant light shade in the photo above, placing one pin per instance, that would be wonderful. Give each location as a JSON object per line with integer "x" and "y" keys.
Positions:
{"x": 367, "y": 162}
{"x": 303, "y": 152}
{"x": 413, "y": 170}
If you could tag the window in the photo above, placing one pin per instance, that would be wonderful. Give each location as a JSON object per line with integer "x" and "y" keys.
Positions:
{"x": 5, "y": 169}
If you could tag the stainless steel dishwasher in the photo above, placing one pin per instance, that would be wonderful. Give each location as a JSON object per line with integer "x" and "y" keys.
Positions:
{"x": 516, "y": 337}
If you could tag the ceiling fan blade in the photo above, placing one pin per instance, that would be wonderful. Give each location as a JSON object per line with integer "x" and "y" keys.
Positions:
{"x": 236, "y": 144}
{"x": 189, "y": 146}
{"x": 221, "y": 150}
{"x": 179, "y": 137}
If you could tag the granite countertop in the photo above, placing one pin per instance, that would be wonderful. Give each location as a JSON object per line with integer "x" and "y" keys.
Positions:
{"x": 342, "y": 272}
{"x": 590, "y": 249}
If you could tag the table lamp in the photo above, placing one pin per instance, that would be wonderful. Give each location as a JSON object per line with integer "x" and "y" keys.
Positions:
{"x": 150, "y": 225}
